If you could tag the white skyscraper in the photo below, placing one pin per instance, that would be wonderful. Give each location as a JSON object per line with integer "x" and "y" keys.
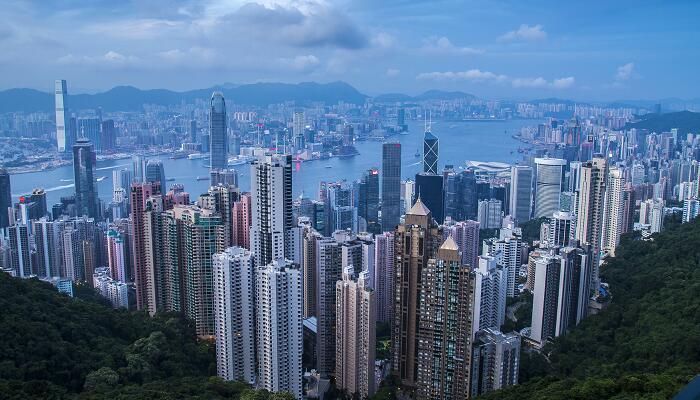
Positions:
{"x": 298, "y": 123}
{"x": 61, "y": 115}
{"x": 490, "y": 285}
{"x": 614, "y": 210}
{"x": 279, "y": 324}
{"x": 489, "y": 214}
{"x": 508, "y": 252}
{"x": 590, "y": 211}
{"x": 651, "y": 212}
{"x": 234, "y": 314}
{"x": 271, "y": 190}
{"x": 548, "y": 187}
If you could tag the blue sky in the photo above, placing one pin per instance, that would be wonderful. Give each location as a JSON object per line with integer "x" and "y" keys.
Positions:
{"x": 594, "y": 50}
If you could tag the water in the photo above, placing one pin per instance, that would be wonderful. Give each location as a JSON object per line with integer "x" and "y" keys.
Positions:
{"x": 459, "y": 141}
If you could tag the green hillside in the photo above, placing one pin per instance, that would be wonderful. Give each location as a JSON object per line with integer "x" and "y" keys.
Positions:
{"x": 52, "y": 346}
{"x": 684, "y": 121}
{"x": 645, "y": 345}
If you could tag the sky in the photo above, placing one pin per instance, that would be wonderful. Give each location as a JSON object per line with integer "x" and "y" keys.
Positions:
{"x": 592, "y": 50}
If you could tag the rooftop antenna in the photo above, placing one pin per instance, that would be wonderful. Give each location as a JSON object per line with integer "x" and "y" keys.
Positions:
{"x": 430, "y": 120}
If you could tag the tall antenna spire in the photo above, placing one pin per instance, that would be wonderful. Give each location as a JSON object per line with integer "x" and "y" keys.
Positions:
{"x": 430, "y": 120}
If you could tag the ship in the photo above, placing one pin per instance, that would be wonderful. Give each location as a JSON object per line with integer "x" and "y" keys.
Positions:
{"x": 195, "y": 156}
{"x": 202, "y": 178}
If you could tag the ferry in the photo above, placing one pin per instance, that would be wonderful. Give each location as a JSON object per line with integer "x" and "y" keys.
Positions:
{"x": 101, "y": 178}
{"x": 240, "y": 160}
{"x": 195, "y": 156}
{"x": 202, "y": 178}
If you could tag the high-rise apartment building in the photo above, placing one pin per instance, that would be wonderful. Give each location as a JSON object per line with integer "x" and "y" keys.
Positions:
{"x": 234, "y": 314}
{"x": 218, "y": 134}
{"x": 415, "y": 242}
{"x": 329, "y": 270}
{"x": 466, "y": 235}
{"x": 520, "y": 193}
{"x": 271, "y": 200}
{"x": 445, "y": 340}
{"x": 548, "y": 186}
{"x": 5, "y": 198}
{"x": 614, "y": 219}
{"x": 490, "y": 285}
{"x": 155, "y": 172}
{"x": 383, "y": 280}
{"x": 489, "y": 214}
{"x": 590, "y": 212}
{"x": 140, "y": 193}
{"x": 495, "y": 361}
{"x": 391, "y": 186}
{"x": 355, "y": 341}
{"x": 241, "y": 221}
{"x": 86, "y": 200}
{"x": 279, "y": 328}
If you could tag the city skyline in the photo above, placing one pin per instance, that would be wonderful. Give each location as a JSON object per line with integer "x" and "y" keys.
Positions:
{"x": 493, "y": 50}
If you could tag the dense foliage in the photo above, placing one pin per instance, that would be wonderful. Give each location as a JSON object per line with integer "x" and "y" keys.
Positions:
{"x": 646, "y": 344}
{"x": 684, "y": 121}
{"x": 53, "y": 346}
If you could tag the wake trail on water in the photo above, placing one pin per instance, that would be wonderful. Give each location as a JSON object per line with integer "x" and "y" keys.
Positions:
{"x": 111, "y": 167}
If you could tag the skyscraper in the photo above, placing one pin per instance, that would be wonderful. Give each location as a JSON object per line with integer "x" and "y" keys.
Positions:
{"x": 384, "y": 275}
{"x": 548, "y": 187}
{"x": 355, "y": 342}
{"x": 329, "y": 270}
{"x": 415, "y": 242}
{"x": 155, "y": 172}
{"x": 490, "y": 285}
{"x": 140, "y": 193}
{"x": 430, "y": 152}
{"x": 614, "y": 219}
{"x": 241, "y": 221}
{"x": 495, "y": 361}
{"x": 368, "y": 202}
{"x": 429, "y": 188}
{"x": 61, "y": 96}
{"x": 86, "y": 200}
{"x": 520, "y": 193}
{"x": 234, "y": 314}
{"x": 444, "y": 344}
{"x": 5, "y": 198}
{"x": 391, "y": 185}
{"x": 466, "y": 235}
{"x": 217, "y": 132}
{"x": 590, "y": 212}
{"x": 279, "y": 323}
{"x": 271, "y": 191}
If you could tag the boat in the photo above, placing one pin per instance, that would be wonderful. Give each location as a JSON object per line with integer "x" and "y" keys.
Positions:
{"x": 195, "y": 156}
{"x": 328, "y": 166}
{"x": 101, "y": 178}
{"x": 240, "y": 160}
{"x": 170, "y": 179}
{"x": 202, "y": 178}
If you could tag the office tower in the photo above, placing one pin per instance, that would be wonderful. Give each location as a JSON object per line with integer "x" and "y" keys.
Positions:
{"x": 279, "y": 323}
{"x": 298, "y": 123}
{"x": 271, "y": 191}
{"x": 401, "y": 119}
{"x": 355, "y": 334}
{"x": 430, "y": 152}
{"x": 560, "y": 295}
{"x": 391, "y": 185}
{"x": 218, "y": 135}
{"x": 20, "y": 252}
{"x": 224, "y": 177}
{"x": 108, "y": 135}
{"x": 489, "y": 214}
{"x": 573, "y": 176}
{"x": 490, "y": 288}
{"x": 509, "y": 251}
{"x": 140, "y": 193}
{"x": 38, "y": 199}
{"x": 520, "y": 193}
{"x": 343, "y": 215}
{"x": 61, "y": 97}
{"x": 155, "y": 172}
{"x": 460, "y": 195}
{"x": 429, "y": 189}
{"x": 548, "y": 185}
{"x": 329, "y": 269}
{"x": 384, "y": 275}
{"x": 368, "y": 204}
{"x": 86, "y": 200}
{"x": 445, "y": 340}
{"x": 466, "y": 235}
{"x": 121, "y": 178}
{"x": 590, "y": 210}
{"x": 117, "y": 255}
{"x": 47, "y": 242}
{"x": 5, "y": 198}
{"x": 651, "y": 212}
{"x": 495, "y": 361}
{"x": 234, "y": 314}
{"x": 415, "y": 242}
{"x": 407, "y": 193}
{"x": 241, "y": 221}
{"x": 614, "y": 219}
{"x": 89, "y": 128}
{"x": 691, "y": 209}
{"x": 560, "y": 229}
{"x": 139, "y": 168}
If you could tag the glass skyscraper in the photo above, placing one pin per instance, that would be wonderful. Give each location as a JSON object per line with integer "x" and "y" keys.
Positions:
{"x": 61, "y": 114}
{"x": 218, "y": 140}
{"x": 5, "y": 198}
{"x": 391, "y": 185}
{"x": 84, "y": 175}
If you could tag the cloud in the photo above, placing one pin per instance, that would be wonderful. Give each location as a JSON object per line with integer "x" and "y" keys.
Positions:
{"x": 524, "y": 33}
{"x": 625, "y": 72}
{"x": 314, "y": 25}
{"x": 473, "y": 75}
{"x": 383, "y": 40}
{"x": 304, "y": 63}
{"x": 478, "y": 76}
{"x": 435, "y": 44}
{"x": 109, "y": 59}
{"x": 392, "y": 72}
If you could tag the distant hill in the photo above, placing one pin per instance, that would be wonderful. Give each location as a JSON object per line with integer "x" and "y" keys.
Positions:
{"x": 685, "y": 121}
{"x": 129, "y": 98}
{"x": 429, "y": 95}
